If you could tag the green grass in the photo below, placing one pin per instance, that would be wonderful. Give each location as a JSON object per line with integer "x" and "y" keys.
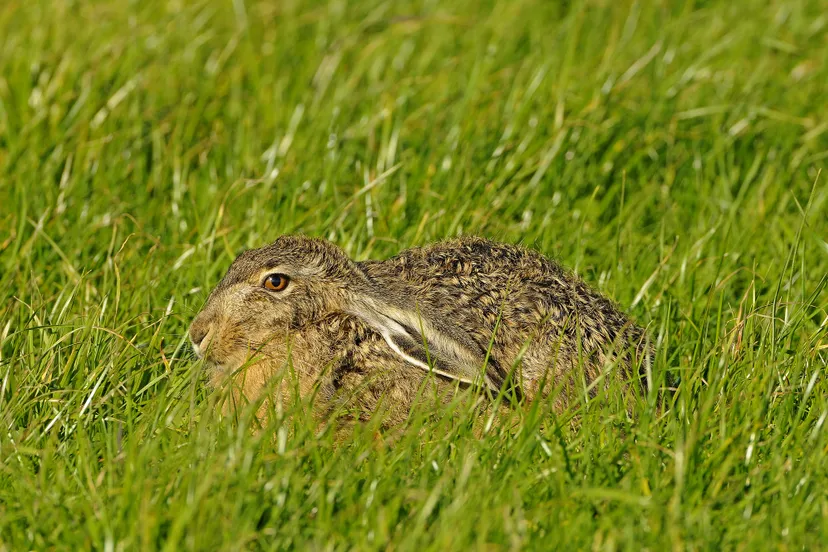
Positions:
{"x": 670, "y": 152}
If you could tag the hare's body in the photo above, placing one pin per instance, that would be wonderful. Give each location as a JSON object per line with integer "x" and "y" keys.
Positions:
{"x": 517, "y": 304}
{"x": 361, "y": 335}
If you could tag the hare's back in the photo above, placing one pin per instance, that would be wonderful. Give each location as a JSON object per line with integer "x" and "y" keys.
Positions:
{"x": 455, "y": 261}
{"x": 480, "y": 284}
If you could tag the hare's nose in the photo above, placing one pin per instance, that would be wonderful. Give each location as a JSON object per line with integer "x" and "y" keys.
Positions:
{"x": 197, "y": 334}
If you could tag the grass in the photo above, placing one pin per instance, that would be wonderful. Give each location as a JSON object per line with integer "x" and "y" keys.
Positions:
{"x": 670, "y": 152}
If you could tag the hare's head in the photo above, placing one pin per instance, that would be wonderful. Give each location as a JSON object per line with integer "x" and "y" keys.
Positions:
{"x": 269, "y": 292}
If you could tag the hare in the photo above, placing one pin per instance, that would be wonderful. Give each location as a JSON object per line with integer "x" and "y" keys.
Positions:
{"x": 464, "y": 312}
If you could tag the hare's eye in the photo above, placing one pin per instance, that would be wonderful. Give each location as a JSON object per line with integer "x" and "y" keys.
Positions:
{"x": 276, "y": 282}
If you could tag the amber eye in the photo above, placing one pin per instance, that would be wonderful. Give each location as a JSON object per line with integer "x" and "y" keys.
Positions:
{"x": 276, "y": 282}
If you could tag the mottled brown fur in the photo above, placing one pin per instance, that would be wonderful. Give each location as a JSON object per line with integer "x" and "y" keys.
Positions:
{"x": 361, "y": 333}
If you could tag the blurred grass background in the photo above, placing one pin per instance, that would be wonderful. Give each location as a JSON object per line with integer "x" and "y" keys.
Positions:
{"x": 669, "y": 152}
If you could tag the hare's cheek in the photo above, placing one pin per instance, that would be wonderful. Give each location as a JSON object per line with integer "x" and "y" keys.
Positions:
{"x": 228, "y": 346}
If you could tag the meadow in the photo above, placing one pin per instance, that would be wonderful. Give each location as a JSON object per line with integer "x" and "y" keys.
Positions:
{"x": 672, "y": 153}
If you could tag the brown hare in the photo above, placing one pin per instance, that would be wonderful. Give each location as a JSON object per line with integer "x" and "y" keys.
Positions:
{"x": 465, "y": 312}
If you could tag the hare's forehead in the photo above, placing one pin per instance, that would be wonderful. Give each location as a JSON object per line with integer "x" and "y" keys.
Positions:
{"x": 257, "y": 263}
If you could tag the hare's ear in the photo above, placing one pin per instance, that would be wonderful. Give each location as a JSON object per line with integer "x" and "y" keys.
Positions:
{"x": 421, "y": 343}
